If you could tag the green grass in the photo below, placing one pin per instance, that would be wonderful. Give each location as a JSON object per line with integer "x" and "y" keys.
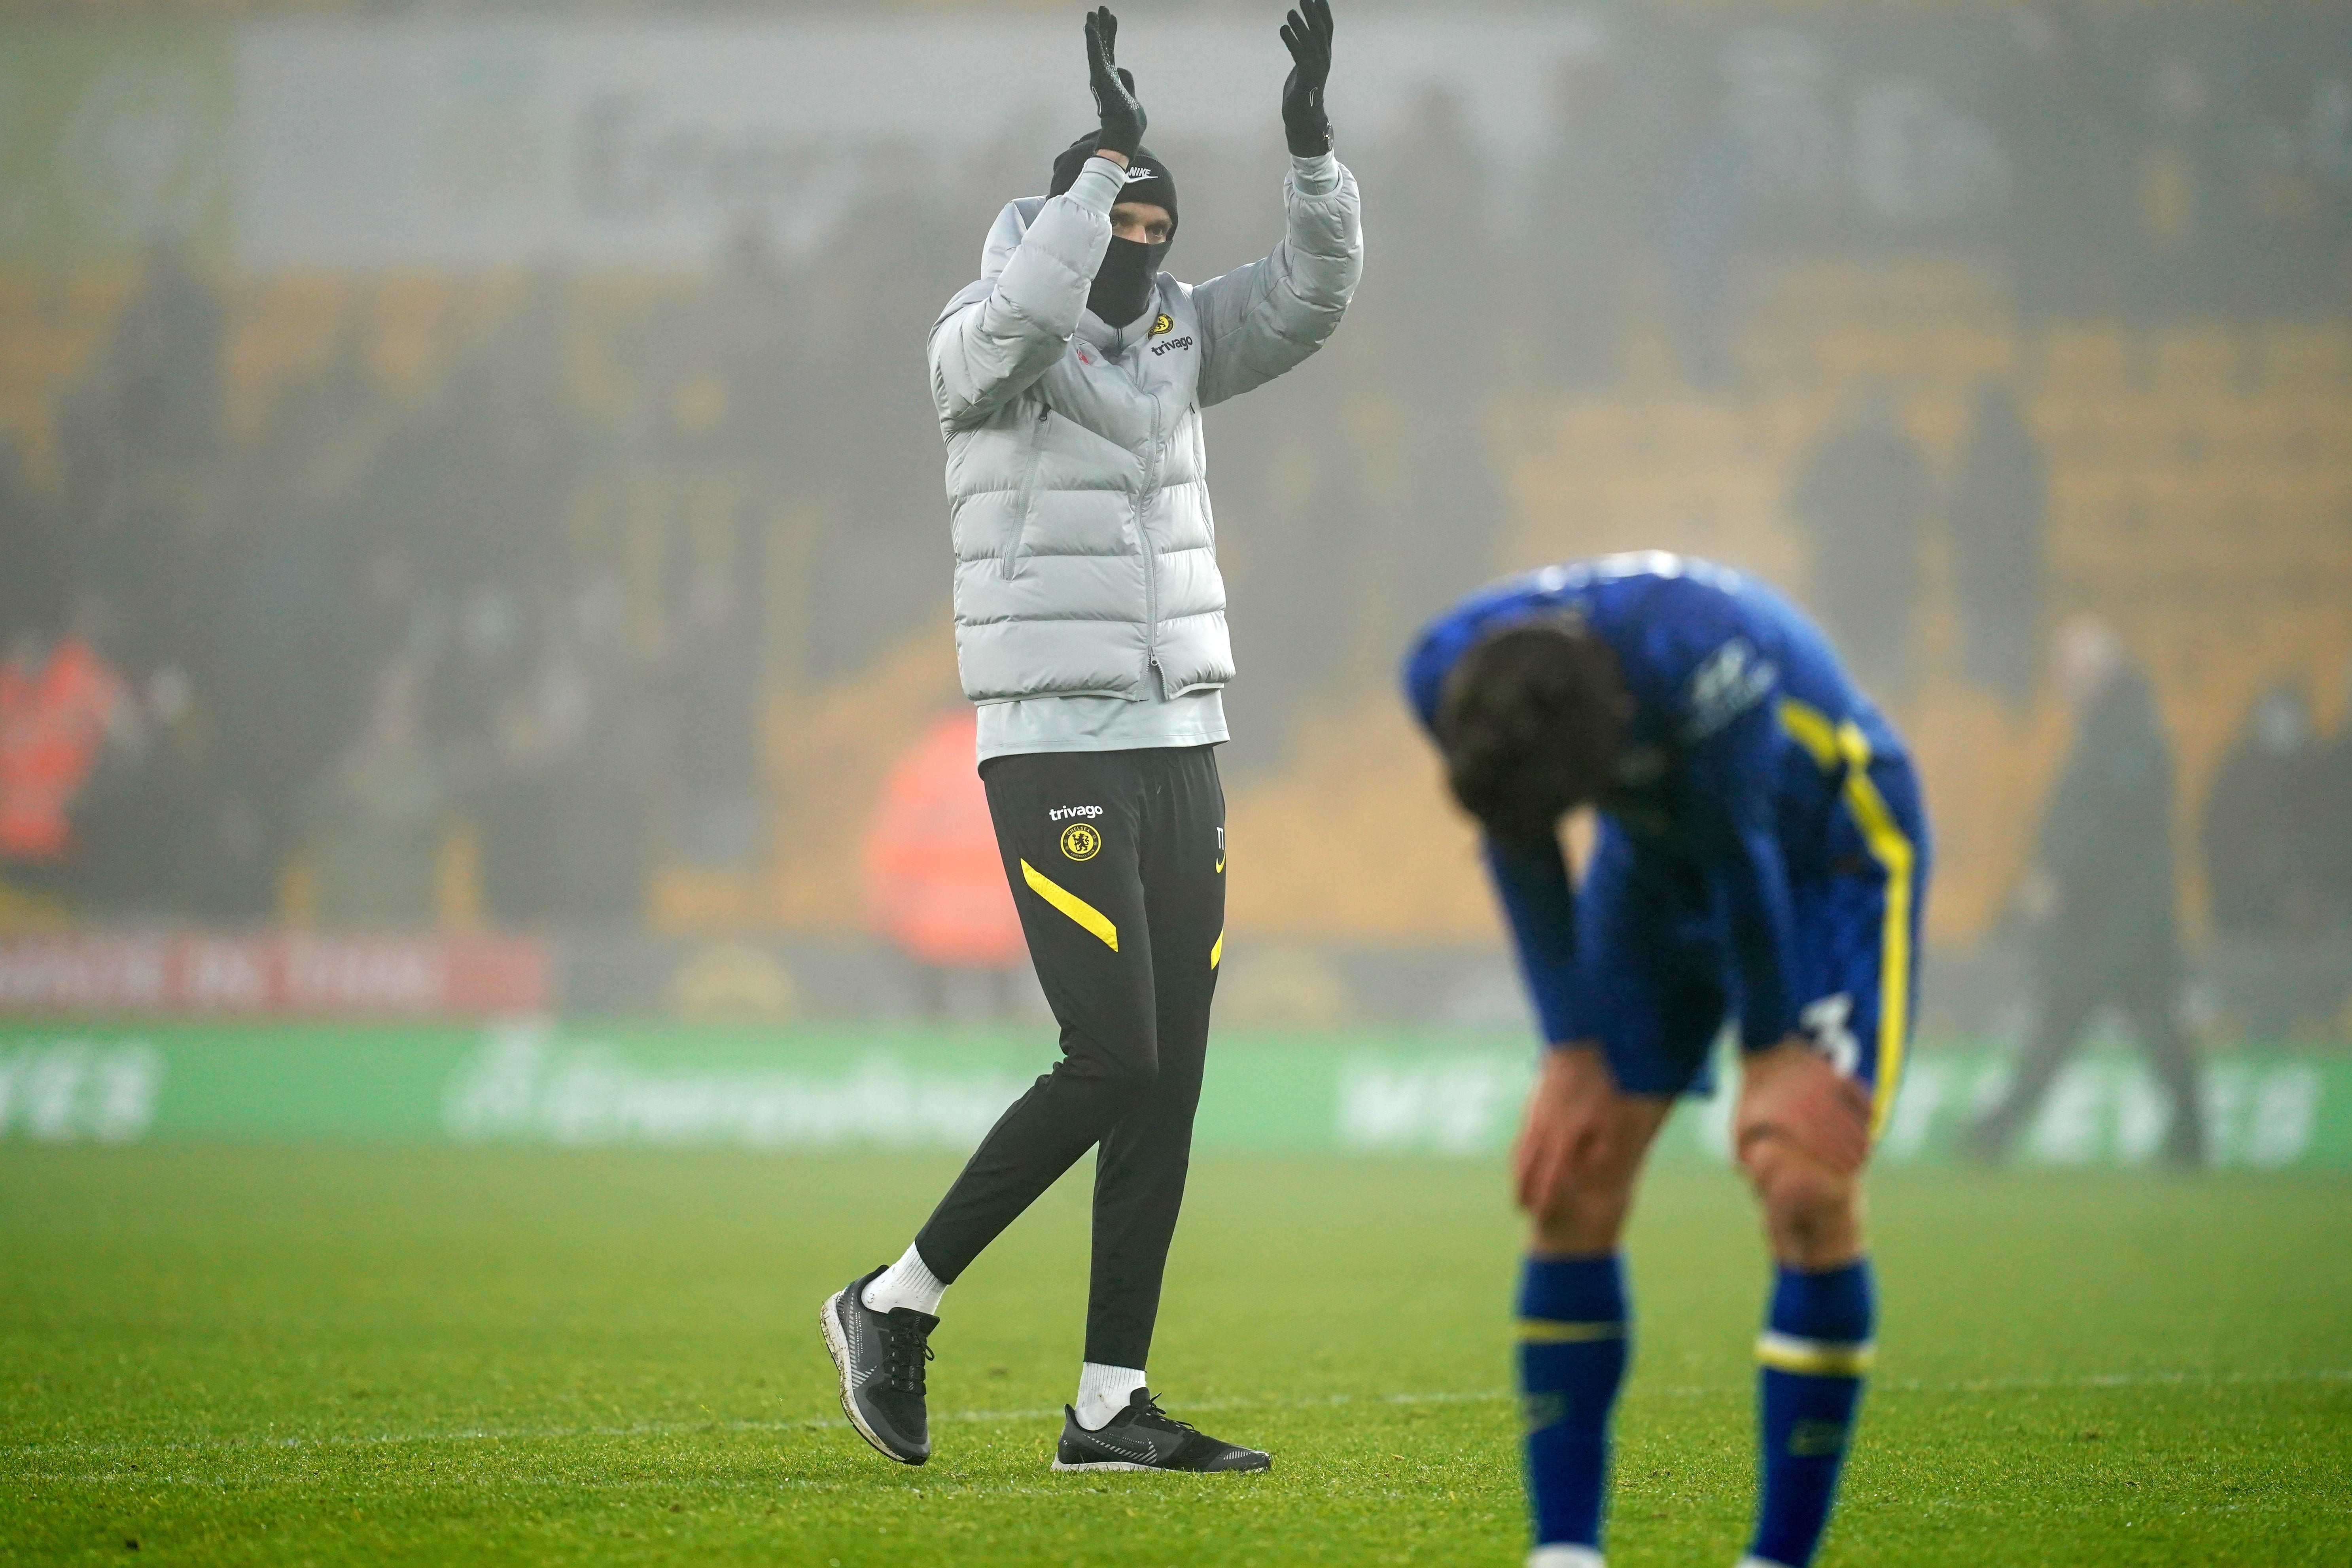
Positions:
{"x": 282, "y": 1355}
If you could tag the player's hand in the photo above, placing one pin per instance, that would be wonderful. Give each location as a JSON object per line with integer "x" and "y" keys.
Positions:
{"x": 1569, "y": 1121}
{"x": 1122, "y": 116}
{"x": 1306, "y": 34}
{"x": 1790, "y": 1091}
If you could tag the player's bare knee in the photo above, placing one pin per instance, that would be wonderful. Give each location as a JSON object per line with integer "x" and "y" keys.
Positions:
{"x": 1798, "y": 1190}
{"x": 1589, "y": 1212}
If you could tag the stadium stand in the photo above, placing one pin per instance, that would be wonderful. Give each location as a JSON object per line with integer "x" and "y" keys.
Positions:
{"x": 2203, "y": 455}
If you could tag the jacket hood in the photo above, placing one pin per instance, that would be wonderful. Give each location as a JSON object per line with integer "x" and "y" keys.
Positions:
{"x": 1005, "y": 237}
{"x": 1006, "y": 233}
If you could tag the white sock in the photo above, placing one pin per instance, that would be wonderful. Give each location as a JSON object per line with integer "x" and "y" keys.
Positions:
{"x": 1103, "y": 1393}
{"x": 1562, "y": 1555}
{"x": 909, "y": 1282}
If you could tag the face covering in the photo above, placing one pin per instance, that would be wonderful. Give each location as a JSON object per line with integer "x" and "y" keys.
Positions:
{"x": 1125, "y": 282}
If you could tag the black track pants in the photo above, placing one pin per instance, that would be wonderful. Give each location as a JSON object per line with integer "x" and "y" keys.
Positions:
{"x": 1117, "y": 862}
{"x": 2145, "y": 988}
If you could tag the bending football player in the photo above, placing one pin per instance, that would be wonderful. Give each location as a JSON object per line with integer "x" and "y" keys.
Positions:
{"x": 1760, "y": 856}
{"x": 1090, "y": 628}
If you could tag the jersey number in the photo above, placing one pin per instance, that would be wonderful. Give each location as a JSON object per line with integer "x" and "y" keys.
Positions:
{"x": 1825, "y": 1022}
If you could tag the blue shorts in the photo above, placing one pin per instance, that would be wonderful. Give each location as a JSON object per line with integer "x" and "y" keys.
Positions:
{"x": 1664, "y": 978}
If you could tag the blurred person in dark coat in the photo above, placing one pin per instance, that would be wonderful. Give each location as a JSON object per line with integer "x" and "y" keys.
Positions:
{"x": 2101, "y": 896}
{"x": 147, "y": 822}
{"x": 1862, "y": 500}
{"x": 2000, "y": 507}
{"x": 2263, "y": 822}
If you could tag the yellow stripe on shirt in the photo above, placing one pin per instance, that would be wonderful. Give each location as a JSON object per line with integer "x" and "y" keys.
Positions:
{"x": 1829, "y": 744}
{"x": 1811, "y": 727}
{"x": 1890, "y": 848}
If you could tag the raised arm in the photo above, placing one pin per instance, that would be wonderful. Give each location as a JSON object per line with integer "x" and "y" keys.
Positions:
{"x": 1002, "y": 334}
{"x": 1004, "y": 331}
{"x": 1259, "y": 321}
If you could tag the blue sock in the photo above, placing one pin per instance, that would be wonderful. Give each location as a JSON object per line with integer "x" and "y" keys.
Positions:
{"x": 1814, "y": 1349}
{"x": 1572, "y": 1322}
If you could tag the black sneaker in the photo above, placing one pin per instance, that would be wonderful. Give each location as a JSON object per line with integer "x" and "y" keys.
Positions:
{"x": 1145, "y": 1437}
{"x": 880, "y": 1357}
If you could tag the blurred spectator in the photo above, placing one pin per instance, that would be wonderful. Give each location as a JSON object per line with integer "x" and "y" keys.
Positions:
{"x": 2263, "y": 831}
{"x": 147, "y": 822}
{"x": 374, "y": 825}
{"x": 278, "y": 629}
{"x": 935, "y": 880}
{"x": 153, "y": 394}
{"x": 135, "y": 434}
{"x": 1862, "y": 500}
{"x": 1999, "y": 511}
{"x": 2100, "y": 898}
{"x": 60, "y": 704}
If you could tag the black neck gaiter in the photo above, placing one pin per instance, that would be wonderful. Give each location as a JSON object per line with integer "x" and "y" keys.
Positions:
{"x": 1124, "y": 282}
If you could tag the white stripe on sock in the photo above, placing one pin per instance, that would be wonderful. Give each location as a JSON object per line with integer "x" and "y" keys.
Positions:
{"x": 1559, "y": 1554}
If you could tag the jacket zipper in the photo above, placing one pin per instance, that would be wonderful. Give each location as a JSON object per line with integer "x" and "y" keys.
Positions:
{"x": 1143, "y": 540}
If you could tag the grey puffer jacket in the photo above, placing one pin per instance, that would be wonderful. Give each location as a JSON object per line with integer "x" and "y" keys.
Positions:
{"x": 1086, "y": 553}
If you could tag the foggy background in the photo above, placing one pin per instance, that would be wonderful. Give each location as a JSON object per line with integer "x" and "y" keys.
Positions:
{"x": 465, "y": 476}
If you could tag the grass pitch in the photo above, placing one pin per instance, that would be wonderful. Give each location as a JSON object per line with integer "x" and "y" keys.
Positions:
{"x": 289, "y": 1355}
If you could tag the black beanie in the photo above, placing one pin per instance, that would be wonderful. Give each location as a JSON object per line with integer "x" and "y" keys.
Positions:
{"x": 1147, "y": 177}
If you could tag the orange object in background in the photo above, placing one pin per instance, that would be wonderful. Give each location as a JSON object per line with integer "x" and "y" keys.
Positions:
{"x": 52, "y": 720}
{"x": 934, "y": 882}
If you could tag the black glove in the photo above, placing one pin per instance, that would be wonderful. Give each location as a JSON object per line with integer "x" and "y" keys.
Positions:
{"x": 1309, "y": 40}
{"x": 1123, "y": 119}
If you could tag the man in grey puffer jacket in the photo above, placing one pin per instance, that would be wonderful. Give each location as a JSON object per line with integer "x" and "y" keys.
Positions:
{"x": 1090, "y": 628}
